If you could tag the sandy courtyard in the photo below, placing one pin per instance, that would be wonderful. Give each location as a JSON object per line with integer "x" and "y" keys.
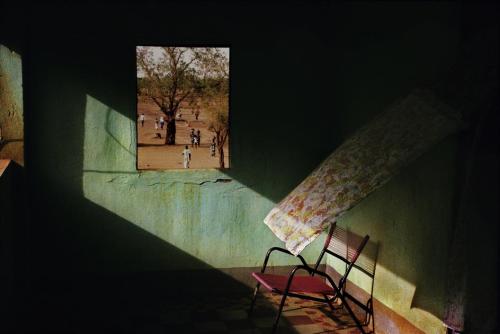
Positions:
{"x": 152, "y": 153}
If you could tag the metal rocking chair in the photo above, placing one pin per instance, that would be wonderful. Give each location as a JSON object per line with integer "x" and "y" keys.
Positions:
{"x": 336, "y": 244}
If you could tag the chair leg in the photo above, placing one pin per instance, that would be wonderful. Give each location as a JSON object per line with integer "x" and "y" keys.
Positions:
{"x": 369, "y": 313}
{"x": 372, "y": 316}
{"x": 254, "y": 298}
{"x": 351, "y": 313}
{"x": 275, "y": 326}
{"x": 329, "y": 302}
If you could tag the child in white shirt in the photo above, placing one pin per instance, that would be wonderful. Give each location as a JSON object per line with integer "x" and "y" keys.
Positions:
{"x": 187, "y": 156}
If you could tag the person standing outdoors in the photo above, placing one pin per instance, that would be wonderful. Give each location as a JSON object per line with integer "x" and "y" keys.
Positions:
{"x": 198, "y": 134}
{"x": 196, "y": 143}
{"x": 162, "y": 122}
{"x": 187, "y": 156}
{"x": 212, "y": 149}
{"x": 192, "y": 135}
{"x": 141, "y": 118}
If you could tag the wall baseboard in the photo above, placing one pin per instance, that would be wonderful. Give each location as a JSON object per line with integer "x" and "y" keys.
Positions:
{"x": 386, "y": 320}
{"x": 206, "y": 283}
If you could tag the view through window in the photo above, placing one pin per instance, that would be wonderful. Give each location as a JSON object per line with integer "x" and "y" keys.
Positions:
{"x": 182, "y": 107}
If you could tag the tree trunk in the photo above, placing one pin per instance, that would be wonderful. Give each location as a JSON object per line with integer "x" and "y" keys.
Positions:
{"x": 171, "y": 129}
{"x": 221, "y": 157}
{"x": 221, "y": 140}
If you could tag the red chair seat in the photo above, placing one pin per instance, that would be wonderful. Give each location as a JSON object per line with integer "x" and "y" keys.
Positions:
{"x": 340, "y": 243}
{"x": 304, "y": 284}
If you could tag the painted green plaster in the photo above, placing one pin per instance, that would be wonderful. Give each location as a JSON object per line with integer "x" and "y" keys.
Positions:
{"x": 11, "y": 106}
{"x": 411, "y": 221}
{"x": 205, "y": 213}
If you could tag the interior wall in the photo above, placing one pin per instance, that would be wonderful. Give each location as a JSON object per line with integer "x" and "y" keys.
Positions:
{"x": 81, "y": 96}
{"x": 410, "y": 219}
{"x": 414, "y": 210}
{"x": 6, "y": 242}
{"x": 11, "y": 106}
{"x": 13, "y": 243}
{"x": 302, "y": 81}
{"x": 414, "y": 217}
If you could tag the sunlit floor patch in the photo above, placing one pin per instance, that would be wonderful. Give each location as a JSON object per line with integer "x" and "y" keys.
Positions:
{"x": 230, "y": 315}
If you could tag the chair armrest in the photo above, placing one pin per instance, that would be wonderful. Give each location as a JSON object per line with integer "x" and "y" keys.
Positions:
{"x": 272, "y": 249}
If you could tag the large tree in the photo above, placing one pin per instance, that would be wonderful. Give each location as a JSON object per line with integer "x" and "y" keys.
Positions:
{"x": 219, "y": 123}
{"x": 215, "y": 98}
{"x": 168, "y": 76}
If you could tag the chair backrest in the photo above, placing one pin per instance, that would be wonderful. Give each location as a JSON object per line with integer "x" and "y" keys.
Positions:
{"x": 347, "y": 246}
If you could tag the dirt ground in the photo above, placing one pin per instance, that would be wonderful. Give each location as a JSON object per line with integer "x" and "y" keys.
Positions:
{"x": 152, "y": 153}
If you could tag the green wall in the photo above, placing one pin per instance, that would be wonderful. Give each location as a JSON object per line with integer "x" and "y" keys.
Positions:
{"x": 80, "y": 124}
{"x": 299, "y": 85}
{"x": 206, "y": 213}
{"x": 410, "y": 219}
{"x": 13, "y": 244}
{"x": 7, "y": 223}
{"x": 11, "y": 106}
{"x": 414, "y": 218}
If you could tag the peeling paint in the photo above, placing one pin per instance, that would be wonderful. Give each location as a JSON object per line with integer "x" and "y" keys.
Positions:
{"x": 11, "y": 106}
{"x": 202, "y": 212}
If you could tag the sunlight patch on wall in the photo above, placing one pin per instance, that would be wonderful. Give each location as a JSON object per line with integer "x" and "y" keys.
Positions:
{"x": 11, "y": 106}
{"x": 109, "y": 139}
{"x": 392, "y": 291}
{"x": 203, "y": 213}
